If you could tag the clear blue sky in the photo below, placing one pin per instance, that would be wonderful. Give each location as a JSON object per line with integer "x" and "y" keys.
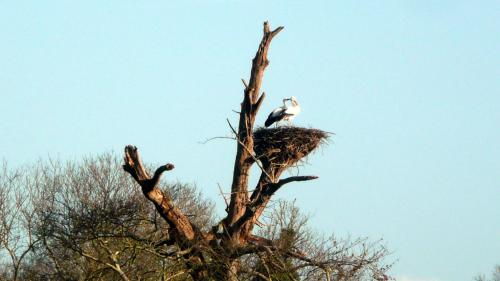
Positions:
{"x": 411, "y": 89}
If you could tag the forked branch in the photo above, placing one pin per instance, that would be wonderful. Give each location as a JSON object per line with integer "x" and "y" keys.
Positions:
{"x": 259, "y": 200}
{"x": 184, "y": 230}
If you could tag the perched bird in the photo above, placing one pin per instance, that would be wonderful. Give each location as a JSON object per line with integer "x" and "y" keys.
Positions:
{"x": 286, "y": 113}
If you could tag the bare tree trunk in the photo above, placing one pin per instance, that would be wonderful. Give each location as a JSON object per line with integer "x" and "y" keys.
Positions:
{"x": 249, "y": 108}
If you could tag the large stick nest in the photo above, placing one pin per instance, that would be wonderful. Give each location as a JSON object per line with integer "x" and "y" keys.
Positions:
{"x": 282, "y": 147}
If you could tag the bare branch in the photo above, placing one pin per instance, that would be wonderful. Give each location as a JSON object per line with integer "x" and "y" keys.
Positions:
{"x": 232, "y": 128}
{"x": 214, "y": 138}
{"x": 163, "y": 203}
{"x": 223, "y": 196}
{"x": 261, "y": 196}
{"x": 259, "y": 102}
{"x": 274, "y": 187}
{"x": 244, "y": 83}
{"x": 116, "y": 268}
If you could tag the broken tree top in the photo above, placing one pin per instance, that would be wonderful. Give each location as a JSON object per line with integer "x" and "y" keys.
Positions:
{"x": 286, "y": 145}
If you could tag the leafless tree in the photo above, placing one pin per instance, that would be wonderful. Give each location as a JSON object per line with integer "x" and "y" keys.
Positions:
{"x": 86, "y": 220}
{"x": 218, "y": 254}
{"x": 91, "y": 218}
{"x": 16, "y": 218}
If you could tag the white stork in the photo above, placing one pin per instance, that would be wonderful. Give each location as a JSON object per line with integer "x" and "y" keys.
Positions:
{"x": 286, "y": 113}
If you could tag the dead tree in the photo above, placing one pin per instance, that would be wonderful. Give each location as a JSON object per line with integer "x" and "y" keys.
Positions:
{"x": 214, "y": 254}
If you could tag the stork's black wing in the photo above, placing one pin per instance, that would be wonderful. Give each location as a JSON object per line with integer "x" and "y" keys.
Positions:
{"x": 275, "y": 116}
